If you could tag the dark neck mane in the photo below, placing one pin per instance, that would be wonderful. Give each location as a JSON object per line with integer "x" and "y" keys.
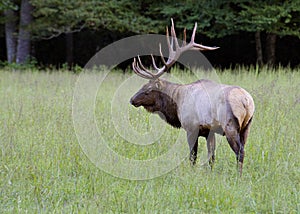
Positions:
{"x": 169, "y": 111}
{"x": 165, "y": 104}
{"x": 168, "y": 106}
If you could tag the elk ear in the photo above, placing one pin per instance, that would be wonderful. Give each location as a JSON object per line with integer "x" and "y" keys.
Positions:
{"x": 158, "y": 85}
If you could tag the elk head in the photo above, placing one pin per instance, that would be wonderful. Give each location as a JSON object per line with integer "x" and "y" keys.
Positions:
{"x": 149, "y": 96}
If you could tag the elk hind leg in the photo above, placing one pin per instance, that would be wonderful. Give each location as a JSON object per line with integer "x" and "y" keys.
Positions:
{"x": 233, "y": 138}
{"x": 245, "y": 132}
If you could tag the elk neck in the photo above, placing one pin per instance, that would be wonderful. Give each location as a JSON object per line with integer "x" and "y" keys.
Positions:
{"x": 168, "y": 98}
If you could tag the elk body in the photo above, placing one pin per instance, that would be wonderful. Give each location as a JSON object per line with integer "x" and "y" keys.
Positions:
{"x": 203, "y": 108}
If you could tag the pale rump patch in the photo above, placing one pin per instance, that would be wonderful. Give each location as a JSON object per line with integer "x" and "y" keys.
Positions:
{"x": 241, "y": 104}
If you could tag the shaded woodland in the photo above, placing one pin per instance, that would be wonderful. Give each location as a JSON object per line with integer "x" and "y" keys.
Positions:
{"x": 56, "y": 33}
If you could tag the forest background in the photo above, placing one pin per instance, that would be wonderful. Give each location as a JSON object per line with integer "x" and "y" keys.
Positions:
{"x": 55, "y": 33}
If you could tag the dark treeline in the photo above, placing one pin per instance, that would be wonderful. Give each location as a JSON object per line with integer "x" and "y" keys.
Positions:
{"x": 56, "y": 33}
{"x": 234, "y": 50}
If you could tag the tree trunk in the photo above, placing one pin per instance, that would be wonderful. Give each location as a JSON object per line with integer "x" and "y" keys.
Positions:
{"x": 10, "y": 30}
{"x": 69, "y": 49}
{"x": 23, "y": 49}
{"x": 259, "y": 54}
{"x": 270, "y": 49}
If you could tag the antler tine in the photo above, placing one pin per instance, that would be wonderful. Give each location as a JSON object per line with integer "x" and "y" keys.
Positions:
{"x": 194, "y": 33}
{"x": 173, "y": 34}
{"x": 196, "y": 46}
{"x": 153, "y": 62}
{"x": 168, "y": 37}
{"x": 160, "y": 71}
{"x": 145, "y": 72}
{"x": 161, "y": 55}
{"x": 141, "y": 72}
{"x": 136, "y": 69}
{"x": 170, "y": 44}
{"x": 140, "y": 64}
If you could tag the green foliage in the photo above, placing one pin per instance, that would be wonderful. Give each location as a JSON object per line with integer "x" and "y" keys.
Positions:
{"x": 43, "y": 168}
{"x": 74, "y": 68}
{"x": 279, "y": 17}
{"x": 8, "y": 4}
{"x": 53, "y": 17}
{"x": 30, "y": 64}
{"x": 215, "y": 18}
{"x": 220, "y": 18}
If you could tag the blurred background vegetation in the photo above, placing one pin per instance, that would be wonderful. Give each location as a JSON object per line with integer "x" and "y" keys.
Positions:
{"x": 56, "y": 33}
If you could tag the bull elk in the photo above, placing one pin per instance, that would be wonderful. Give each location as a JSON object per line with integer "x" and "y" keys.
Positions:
{"x": 202, "y": 108}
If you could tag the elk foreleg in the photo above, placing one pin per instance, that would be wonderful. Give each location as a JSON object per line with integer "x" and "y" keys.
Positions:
{"x": 192, "y": 137}
{"x": 211, "y": 147}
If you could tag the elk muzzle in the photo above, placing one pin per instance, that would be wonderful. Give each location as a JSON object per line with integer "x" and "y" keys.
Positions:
{"x": 135, "y": 100}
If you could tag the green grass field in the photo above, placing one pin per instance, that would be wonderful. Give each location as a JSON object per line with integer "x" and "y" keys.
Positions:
{"x": 43, "y": 168}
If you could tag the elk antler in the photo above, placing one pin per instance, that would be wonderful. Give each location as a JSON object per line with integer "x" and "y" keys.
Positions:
{"x": 174, "y": 54}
